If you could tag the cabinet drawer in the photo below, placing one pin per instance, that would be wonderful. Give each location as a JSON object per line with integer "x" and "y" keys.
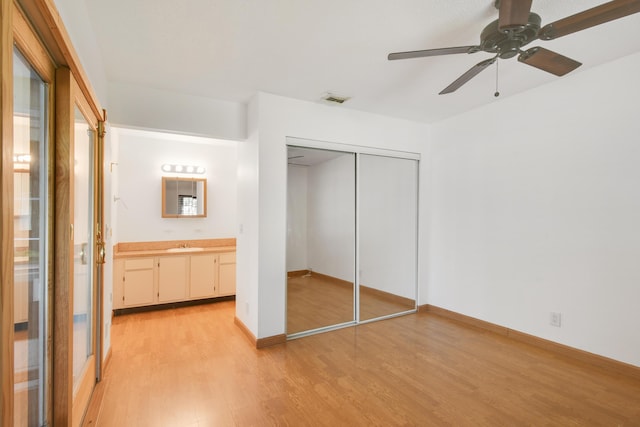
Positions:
{"x": 138, "y": 264}
{"x": 228, "y": 258}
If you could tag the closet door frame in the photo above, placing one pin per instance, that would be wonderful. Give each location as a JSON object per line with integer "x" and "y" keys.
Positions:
{"x": 358, "y": 150}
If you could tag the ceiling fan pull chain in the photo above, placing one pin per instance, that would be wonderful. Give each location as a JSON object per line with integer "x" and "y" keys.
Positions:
{"x": 497, "y": 94}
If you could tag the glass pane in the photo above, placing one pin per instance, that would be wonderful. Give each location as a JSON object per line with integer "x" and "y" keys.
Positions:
{"x": 320, "y": 239}
{"x": 84, "y": 138}
{"x": 30, "y": 122}
{"x": 388, "y": 209}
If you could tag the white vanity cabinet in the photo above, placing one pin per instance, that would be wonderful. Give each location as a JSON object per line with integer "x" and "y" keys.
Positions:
{"x": 137, "y": 282}
{"x": 167, "y": 278}
{"x": 227, "y": 274}
{"x": 203, "y": 276}
{"x": 172, "y": 278}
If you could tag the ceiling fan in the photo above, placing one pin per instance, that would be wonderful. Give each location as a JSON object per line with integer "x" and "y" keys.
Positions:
{"x": 516, "y": 27}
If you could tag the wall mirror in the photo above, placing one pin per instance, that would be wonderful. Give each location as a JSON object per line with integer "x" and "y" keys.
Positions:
{"x": 184, "y": 197}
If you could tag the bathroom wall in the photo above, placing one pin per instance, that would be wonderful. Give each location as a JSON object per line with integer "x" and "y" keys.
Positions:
{"x": 138, "y": 197}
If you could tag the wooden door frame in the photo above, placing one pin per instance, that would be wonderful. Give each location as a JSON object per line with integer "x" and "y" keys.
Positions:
{"x": 52, "y": 40}
{"x": 69, "y": 96}
{"x": 6, "y": 215}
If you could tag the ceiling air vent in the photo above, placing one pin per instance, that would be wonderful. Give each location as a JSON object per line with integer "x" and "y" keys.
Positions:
{"x": 330, "y": 98}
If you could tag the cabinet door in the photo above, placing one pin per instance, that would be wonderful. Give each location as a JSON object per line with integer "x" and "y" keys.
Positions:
{"x": 203, "y": 275}
{"x": 137, "y": 282}
{"x": 172, "y": 278}
{"x": 227, "y": 274}
{"x": 137, "y": 287}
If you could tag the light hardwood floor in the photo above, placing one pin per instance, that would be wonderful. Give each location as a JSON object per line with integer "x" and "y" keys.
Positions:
{"x": 194, "y": 367}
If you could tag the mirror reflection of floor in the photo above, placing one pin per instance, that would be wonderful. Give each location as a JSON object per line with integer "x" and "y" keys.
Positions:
{"x": 375, "y": 303}
{"x": 316, "y": 301}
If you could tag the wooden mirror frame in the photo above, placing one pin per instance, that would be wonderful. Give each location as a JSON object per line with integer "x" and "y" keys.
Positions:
{"x": 203, "y": 197}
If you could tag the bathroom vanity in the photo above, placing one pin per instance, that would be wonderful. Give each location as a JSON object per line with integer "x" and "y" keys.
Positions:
{"x": 154, "y": 273}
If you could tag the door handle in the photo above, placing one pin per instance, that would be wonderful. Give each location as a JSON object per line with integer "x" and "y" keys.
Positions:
{"x": 83, "y": 253}
{"x": 101, "y": 251}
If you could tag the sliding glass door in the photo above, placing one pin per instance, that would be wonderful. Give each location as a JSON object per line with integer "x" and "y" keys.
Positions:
{"x": 50, "y": 224}
{"x": 77, "y": 345}
{"x": 31, "y": 136}
{"x": 84, "y": 277}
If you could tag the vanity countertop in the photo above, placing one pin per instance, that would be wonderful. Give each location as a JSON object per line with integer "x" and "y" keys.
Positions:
{"x": 172, "y": 248}
{"x": 169, "y": 252}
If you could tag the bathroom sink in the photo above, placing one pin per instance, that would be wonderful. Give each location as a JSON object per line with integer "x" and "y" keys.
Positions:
{"x": 185, "y": 249}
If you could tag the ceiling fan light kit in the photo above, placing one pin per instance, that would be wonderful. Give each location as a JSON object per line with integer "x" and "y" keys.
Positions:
{"x": 516, "y": 27}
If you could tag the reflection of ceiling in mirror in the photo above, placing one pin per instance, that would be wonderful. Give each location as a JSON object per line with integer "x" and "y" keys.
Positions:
{"x": 299, "y": 156}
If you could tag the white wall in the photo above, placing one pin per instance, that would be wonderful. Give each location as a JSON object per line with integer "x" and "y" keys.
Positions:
{"x": 110, "y": 237}
{"x": 76, "y": 20}
{"x": 297, "y": 218}
{"x": 139, "y": 191}
{"x": 263, "y": 243}
{"x": 331, "y": 217}
{"x": 147, "y": 108}
{"x": 247, "y": 259}
{"x": 535, "y": 209}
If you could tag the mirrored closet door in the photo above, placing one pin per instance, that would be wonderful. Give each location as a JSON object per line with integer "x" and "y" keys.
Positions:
{"x": 349, "y": 212}
{"x": 320, "y": 238}
{"x": 387, "y": 235}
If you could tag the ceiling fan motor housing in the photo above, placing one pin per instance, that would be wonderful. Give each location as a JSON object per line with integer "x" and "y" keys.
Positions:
{"x": 507, "y": 44}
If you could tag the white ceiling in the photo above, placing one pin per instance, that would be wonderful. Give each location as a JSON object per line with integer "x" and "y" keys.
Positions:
{"x": 230, "y": 49}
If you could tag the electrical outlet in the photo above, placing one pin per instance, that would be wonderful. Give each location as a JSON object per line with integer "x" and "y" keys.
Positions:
{"x": 555, "y": 319}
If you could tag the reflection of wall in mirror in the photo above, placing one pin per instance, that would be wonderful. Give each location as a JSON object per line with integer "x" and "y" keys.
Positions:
{"x": 388, "y": 224}
{"x": 297, "y": 218}
{"x": 331, "y": 217}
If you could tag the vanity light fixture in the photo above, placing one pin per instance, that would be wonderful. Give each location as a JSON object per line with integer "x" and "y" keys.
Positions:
{"x": 22, "y": 158}
{"x": 183, "y": 169}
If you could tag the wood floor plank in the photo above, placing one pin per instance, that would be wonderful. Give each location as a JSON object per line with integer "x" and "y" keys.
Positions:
{"x": 193, "y": 367}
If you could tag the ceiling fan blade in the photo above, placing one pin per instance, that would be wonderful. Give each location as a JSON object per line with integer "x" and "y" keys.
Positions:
{"x": 589, "y": 18}
{"x": 432, "y": 52}
{"x": 473, "y": 71}
{"x": 514, "y": 14}
{"x": 549, "y": 61}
